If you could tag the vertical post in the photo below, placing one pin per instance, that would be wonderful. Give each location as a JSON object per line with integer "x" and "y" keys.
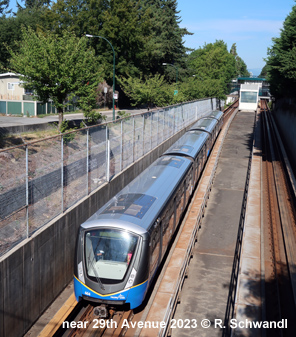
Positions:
{"x": 151, "y": 131}
{"x": 163, "y": 126}
{"x": 62, "y": 172}
{"x": 143, "y": 133}
{"x": 87, "y": 161}
{"x": 133, "y": 141}
{"x": 121, "y": 146}
{"x": 157, "y": 129}
{"x": 27, "y": 189}
{"x": 107, "y": 154}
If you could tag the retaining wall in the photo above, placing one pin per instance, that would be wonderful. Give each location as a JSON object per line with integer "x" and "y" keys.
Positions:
{"x": 285, "y": 116}
{"x": 34, "y": 273}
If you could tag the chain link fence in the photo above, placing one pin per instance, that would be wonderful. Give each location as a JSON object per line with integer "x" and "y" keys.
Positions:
{"x": 42, "y": 179}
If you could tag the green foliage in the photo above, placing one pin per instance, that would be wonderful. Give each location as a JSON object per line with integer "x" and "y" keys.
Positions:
{"x": 240, "y": 66}
{"x": 10, "y": 30}
{"x": 149, "y": 90}
{"x": 263, "y": 73}
{"x": 215, "y": 66}
{"x": 4, "y": 7}
{"x": 123, "y": 114}
{"x": 58, "y": 68}
{"x": 64, "y": 128}
{"x": 94, "y": 117}
{"x": 281, "y": 60}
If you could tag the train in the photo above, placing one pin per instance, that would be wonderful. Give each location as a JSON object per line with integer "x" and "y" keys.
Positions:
{"x": 121, "y": 246}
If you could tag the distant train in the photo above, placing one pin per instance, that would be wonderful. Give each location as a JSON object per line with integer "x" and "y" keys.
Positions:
{"x": 120, "y": 248}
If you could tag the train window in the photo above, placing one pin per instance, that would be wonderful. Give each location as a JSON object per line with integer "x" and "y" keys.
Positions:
{"x": 171, "y": 161}
{"x": 248, "y": 96}
{"x": 108, "y": 253}
{"x": 130, "y": 204}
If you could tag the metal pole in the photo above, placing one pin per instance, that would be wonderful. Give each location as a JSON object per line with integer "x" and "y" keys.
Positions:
{"x": 121, "y": 146}
{"x": 27, "y": 190}
{"x": 157, "y": 128}
{"x": 133, "y": 142}
{"x": 62, "y": 172}
{"x": 107, "y": 155}
{"x": 87, "y": 161}
{"x": 163, "y": 125}
{"x": 151, "y": 131}
{"x": 143, "y": 133}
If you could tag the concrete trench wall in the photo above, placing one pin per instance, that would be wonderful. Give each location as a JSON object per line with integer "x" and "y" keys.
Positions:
{"x": 285, "y": 117}
{"x": 34, "y": 273}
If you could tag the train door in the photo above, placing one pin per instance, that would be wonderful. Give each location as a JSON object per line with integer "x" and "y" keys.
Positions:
{"x": 167, "y": 227}
{"x": 155, "y": 248}
{"x": 179, "y": 203}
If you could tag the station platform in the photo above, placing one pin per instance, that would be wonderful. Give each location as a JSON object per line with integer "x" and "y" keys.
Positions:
{"x": 221, "y": 283}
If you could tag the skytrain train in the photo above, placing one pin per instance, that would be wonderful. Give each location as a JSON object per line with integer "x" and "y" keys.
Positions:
{"x": 120, "y": 247}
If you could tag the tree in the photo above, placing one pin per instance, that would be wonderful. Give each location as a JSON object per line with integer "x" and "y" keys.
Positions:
{"x": 10, "y": 30}
{"x": 57, "y": 68}
{"x": 149, "y": 90}
{"x": 240, "y": 65}
{"x": 281, "y": 60}
{"x": 3, "y": 7}
{"x": 215, "y": 65}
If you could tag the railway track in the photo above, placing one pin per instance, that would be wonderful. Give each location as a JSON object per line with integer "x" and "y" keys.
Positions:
{"x": 279, "y": 231}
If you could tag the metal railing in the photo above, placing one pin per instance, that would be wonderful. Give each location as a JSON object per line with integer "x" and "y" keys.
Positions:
{"x": 42, "y": 179}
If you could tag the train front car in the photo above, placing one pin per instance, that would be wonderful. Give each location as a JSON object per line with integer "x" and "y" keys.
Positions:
{"x": 120, "y": 247}
{"x": 107, "y": 269}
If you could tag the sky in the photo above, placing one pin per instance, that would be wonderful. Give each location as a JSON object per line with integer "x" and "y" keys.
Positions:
{"x": 251, "y": 24}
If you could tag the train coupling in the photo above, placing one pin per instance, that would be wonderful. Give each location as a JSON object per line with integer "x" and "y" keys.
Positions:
{"x": 101, "y": 311}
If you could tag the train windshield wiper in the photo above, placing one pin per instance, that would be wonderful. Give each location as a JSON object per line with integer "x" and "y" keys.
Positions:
{"x": 91, "y": 262}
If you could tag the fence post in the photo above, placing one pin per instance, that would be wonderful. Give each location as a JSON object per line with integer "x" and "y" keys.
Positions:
{"x": 121, "y": 146}
{"x": 157, "y": 140}
{"x": 87, "y": 161}
{"x": 133, "y": 142}
{"x": 143, "y": 137}
{"x": 62, "y": 172}
{"x": 27, "y": 189}
{"x": 163, "y": 126}
{"x": 151, "y": 131}
{"x": 107, "y": 154}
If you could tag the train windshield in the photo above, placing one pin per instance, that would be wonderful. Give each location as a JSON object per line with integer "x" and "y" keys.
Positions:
{"x": 108, "y": 254}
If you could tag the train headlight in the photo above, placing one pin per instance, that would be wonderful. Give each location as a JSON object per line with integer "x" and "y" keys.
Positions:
{"x": 80, "y": 272}
{"x": 131, "y": 279}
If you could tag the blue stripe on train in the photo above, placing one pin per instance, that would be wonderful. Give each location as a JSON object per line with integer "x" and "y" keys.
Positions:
{"x": 134, "y": 295}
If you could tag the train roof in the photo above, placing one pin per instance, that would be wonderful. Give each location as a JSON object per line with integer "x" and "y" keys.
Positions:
{"x": 189, "y": 144}
{"x": 205, "y": 124}
{"x": 144, "y": 197}
{"x": 215, "y": 114}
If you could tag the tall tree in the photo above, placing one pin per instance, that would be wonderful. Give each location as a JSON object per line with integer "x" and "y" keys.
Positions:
{"x": 57, "y": 67}
{"x": 213, "y": 62}
{"x": 10, "y": 29}
{"x": 167, "y": 43}
{"x": 281, "y": 60}
{"x": 240, "y": 65}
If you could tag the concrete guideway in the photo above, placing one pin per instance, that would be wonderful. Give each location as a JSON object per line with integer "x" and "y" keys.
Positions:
{"x": 205, "y": 292}
{"x": 167, "y": 294}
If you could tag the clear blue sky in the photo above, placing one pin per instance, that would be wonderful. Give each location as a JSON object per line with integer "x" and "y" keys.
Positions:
{"x": 251, "y": 24}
